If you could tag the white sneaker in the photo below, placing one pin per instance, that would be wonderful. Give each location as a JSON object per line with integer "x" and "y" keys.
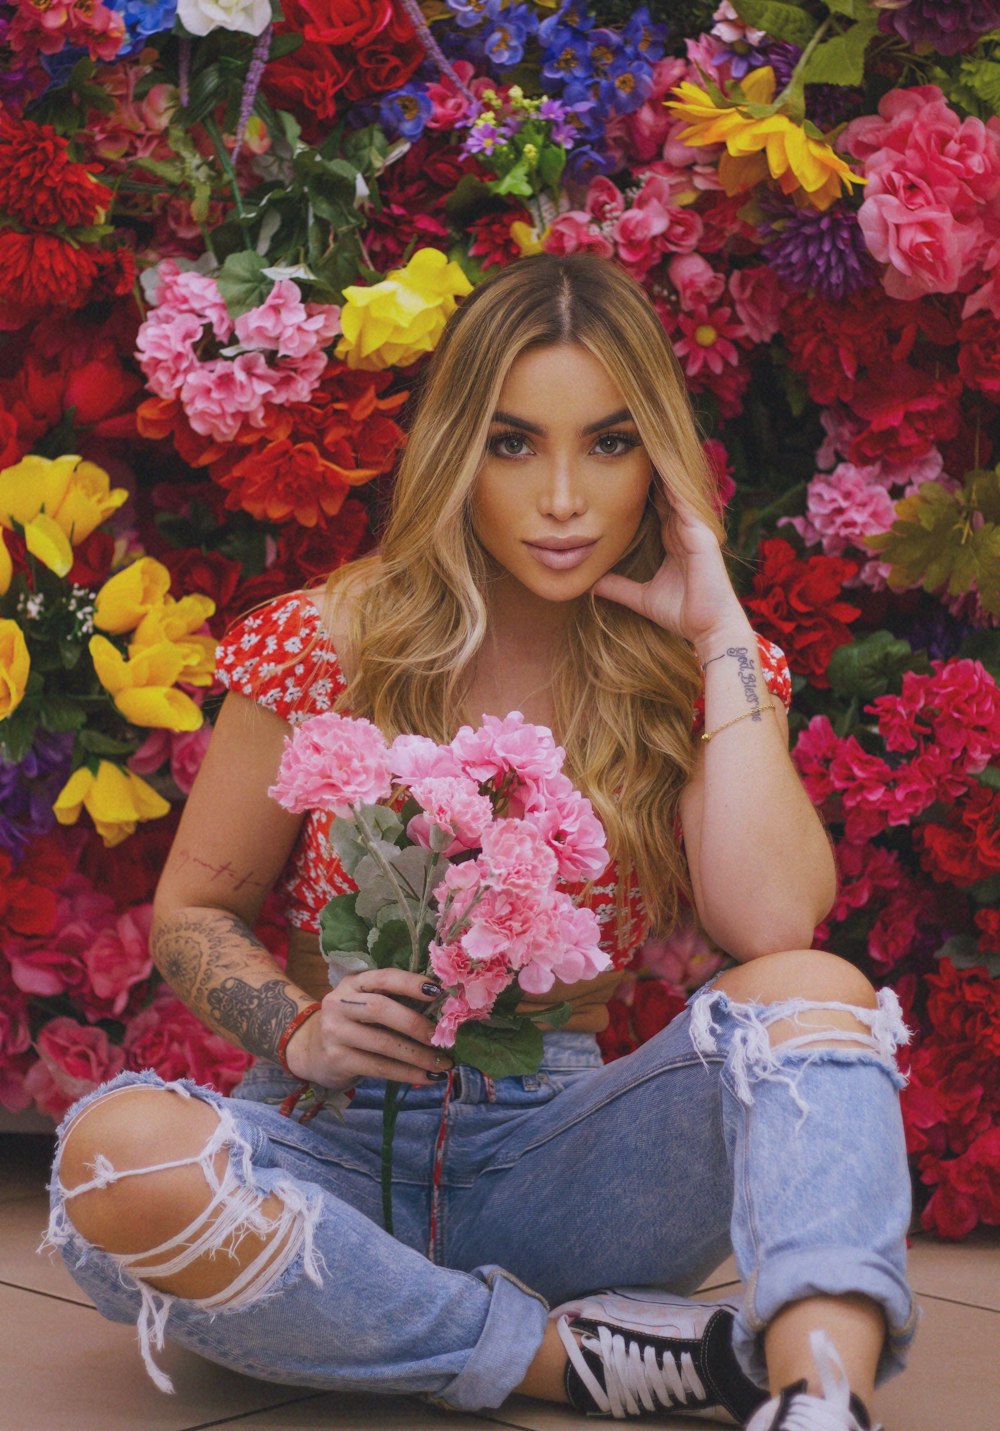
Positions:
{"x": 836, "y": 1410}
{"x": 644, "y": 1352}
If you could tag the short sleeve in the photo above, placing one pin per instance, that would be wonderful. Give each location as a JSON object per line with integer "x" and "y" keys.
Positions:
{"x": 777, "y": 678}
{"x": 281, "y": 657}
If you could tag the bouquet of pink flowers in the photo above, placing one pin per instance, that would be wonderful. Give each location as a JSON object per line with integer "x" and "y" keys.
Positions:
{"x": 457, "y": 851}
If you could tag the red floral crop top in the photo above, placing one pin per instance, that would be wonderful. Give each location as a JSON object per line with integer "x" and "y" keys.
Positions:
{"x": 281, "y": 657}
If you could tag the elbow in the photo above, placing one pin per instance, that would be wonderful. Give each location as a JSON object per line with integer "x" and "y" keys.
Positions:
{"x": 772, "y": 925}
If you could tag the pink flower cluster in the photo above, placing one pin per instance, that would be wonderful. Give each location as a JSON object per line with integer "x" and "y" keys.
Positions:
{"x": 50, "y": 27}
{"x": 931, "y": 210}
{"x": 278, "y": 357}
{"x": 498, "y": 798}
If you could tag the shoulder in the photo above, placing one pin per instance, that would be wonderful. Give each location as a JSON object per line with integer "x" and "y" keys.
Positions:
{"x": 282, "y": 657}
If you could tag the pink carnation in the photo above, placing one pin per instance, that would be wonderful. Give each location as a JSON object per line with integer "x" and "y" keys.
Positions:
{"x": 284, "y": 323}
{"x": 516, "y": 857}
{"x": 333, "y": 762}
{"x": 414, "y": 757}
{"x": 509, "y": 744}
{"x": 453, "y": 805}
{"x": 455, "y": 1011}
{"x": 219, "y": 396}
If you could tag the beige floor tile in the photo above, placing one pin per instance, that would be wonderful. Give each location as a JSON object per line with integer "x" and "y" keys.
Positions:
{"x": 340, "y": 1411}
{"x": 24, "y": 1223}
{"x": 25, "y": 1160}
{"x": 966, "y": 1272}
{"x": 66, "y": 1369}
{"x": 953, "y": 1380}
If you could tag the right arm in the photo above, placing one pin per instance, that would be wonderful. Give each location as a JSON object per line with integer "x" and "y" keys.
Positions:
{"x": 232, "y": 843}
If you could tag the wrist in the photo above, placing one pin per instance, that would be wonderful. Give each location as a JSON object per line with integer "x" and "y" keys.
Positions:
{"x": 291, "y": 1042}
{"x": 736, "y": 632}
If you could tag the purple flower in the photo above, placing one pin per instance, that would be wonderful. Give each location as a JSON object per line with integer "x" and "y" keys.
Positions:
{"x": 405, "y": 112}
{"x": 947, "y": 26}
{"x": 645, "y": 37}
{"x": 604, "y": 46}
{"x": 469, "y": 13}
{"x": 567, "y": 58}
{"x": 824, "y": 252}
{"x": 583, "y": 113}
{"x": 827, "y": 105}
{"x": 505, "y": 46}
{"x": 28, "y": 789}
{"x": 741, "y": 59}
{"x": 569, "y": 17}
{"x": 626, "y": 84}
{"x": 483, "y": 139}
{"x": 586, "y": 163}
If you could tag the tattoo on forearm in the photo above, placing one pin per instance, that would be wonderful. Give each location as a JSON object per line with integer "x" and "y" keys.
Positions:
{"x": 257, "y": 1016}
{"x": 747, "y": 672}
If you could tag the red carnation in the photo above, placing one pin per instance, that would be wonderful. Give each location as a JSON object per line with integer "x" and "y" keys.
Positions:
{"x": 906, "y": 412}
{"x": 39, "y": 184}
{"x": 491, "y": 238}
{"x": 797, "y": 604}
{"x": 305, "y": 553}
{"x": 967, "y": 1191}
{"x": 988, "y": 924}
{"x": 830, "y": 343}
{"x": 979, "y": 355}
{"x": 211, "y": 574}
{"x": 967, "y": 848}
{"x": 284, "y": 480}
{"x": 39, "y": 271}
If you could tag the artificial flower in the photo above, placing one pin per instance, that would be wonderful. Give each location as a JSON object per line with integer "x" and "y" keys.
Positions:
{"x": 58, "y": 502}
{"x": 201, "y": 17}
{"x": 397, "y": 320}
{"x": 15, "y": 665}
{"x": 131, "y": 594}
{"x": 40, "y": 186}
{"x": 143, "y": 687}
{"x": 115, "y": 799}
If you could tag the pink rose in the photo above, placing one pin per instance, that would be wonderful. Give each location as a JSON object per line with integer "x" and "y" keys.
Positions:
{"x": 636, "y": 234}
{"x": 333, "y": 762}
{"x": 758, "y": 296}
{"x": 695, "y": 280}
{"x": 153, "y": 753}
{"x": 449, "y": 105}
{"x": 604, "y": 201}
{"x": 119, "y": 958}
{"x": 926, "y": 249}
{"x": 170, "y": 1039}
{"x": 75, "y": 1059}
{"x": 573, "y": 232}
{"x": 187, "y": 751}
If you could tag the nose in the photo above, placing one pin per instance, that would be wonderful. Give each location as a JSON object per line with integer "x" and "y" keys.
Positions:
{"x": 562, "y": 496}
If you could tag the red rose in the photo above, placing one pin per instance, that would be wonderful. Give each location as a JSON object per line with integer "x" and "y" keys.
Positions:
{"x": 339, "y": 23}
{"x": 307, "y": 83}
{"x": 100, "y": 389}
{"x": 12, "y": 449}
{"x": 618, "y": 1039}
{"x": 796, "y": 604}
{"x": 92, "y": 559}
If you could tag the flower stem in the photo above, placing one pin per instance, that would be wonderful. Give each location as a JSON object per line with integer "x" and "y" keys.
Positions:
{"x": 794, "y": 91}
{"x": 218, "y": 143}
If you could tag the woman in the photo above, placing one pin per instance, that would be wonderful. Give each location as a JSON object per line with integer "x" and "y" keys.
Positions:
{"x": 553, "y": 548}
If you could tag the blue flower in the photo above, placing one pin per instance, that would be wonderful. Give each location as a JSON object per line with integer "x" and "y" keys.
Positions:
{"x": 473, "y": 12}
{"x": 583, "y": 111}
{"x": 646, "y": 37}
{"x": 585, "y": 164}
{"x": 626, "y": 84}
{"x": 405, "y": 112}
{"x": 506, "y": 44}
{"x": 568, "y": 59}
{"x": 143, "y": 18}
{"x": 604, "y": 46}
{"x": 573, "y": 16}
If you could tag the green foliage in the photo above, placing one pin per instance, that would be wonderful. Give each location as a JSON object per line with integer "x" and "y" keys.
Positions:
{"x": 243, "y": 283}
{"x": 340, "y": 928}
{"x": 873, "y": 665}
{"x": 841, "y": 59}
{"x": 499, "y": 1052}
{"x": 781, "y": 20}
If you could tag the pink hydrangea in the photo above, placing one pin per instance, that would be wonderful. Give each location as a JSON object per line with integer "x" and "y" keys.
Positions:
{"x": 453, "y": 805}
{"x": 333, "y": 762}
{"x": 510, "y": 744}
{"x": 285, "y": 324}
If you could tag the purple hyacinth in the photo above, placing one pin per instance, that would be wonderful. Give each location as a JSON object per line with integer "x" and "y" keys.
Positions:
{"x": 28, "y": 789}
{"x": 827, "y": 105}
{"x": 947, "y": 26}
{"x": 824, "y": 252}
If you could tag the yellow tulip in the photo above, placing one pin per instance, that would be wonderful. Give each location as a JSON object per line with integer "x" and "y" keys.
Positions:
{"x": 15, "y": 663}
{"x": 75, "y": 495}
{"x": 527, "y": 240}
{"x": 393, "y": 322}
{"x": 114, "y": 798}
{"x": 6, "y": 566}
{"x": 47, "y": 541}
{"x": 144, "y": 687}
{"x": 177, "y": 623}
{"x": 793, "y": 157}
{"x": 126, "y": 597}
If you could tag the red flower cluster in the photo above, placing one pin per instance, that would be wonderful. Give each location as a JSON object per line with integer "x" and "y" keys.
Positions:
{"x": 798, "y": 605}
{"x": 636, "y": 1015}
{"x": 351, "y": 48}
{"x": 492, "y": 243}
{"x": 40, "y": 186}
{"x": 966, "y": 848}
{"x": 951, "y": 1102}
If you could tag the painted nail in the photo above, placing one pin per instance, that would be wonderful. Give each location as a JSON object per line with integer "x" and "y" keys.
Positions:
{"x": 442, "y": 1073}
{"x": 432, "y": 989}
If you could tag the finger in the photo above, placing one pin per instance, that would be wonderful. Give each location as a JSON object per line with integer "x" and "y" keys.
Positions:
{"x": 374, "y": 1066}
{"x": 623, "y": 590}
{"x": 384, "y": 1011}
{"x": 370, "y": 1039}
{"x": 393, "y": 981}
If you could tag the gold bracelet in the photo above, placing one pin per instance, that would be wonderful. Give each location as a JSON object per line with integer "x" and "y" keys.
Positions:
{"x": 708, "y": 734}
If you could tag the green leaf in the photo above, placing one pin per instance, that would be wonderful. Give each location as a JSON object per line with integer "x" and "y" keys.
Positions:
{"x": 990, "y": 777}
{"x": 282, "y": 45}
{"x": 983, "y": 646}
{"x": 17, "y": 732}
{"x": 242, "y": 282}
{"x": 551, "y": 163}
{"x": 366, "y": 149}
{"x": 340, "y": 927}
{"x": 841, "y": 59}
{"x": 515, "y": 181}
{"x": 553, "y": 1018}
{"x": 346, "y": 844}
{"x": 982, "y": 77}
{"x": 873, "y": 665}
{"x": 391, "y": 946}
{"x": 95, "y": 742}
{"x": 781, "y": 21}
{"x": 499, "y": 1053}
{"x": 61, "y": 713}
{"x": 985, "y": 892}
{"x": 964, "y": 953}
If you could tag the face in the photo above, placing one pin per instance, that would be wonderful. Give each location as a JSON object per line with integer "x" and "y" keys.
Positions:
{"x": 563, "y": 487}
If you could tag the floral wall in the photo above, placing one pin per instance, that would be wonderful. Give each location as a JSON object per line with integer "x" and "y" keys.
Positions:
{"x": 230, "y": 233}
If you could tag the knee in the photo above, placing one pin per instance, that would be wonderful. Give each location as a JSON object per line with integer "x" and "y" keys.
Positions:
{"x": 130, "y": 1129}
{"x": 810, "y": 974}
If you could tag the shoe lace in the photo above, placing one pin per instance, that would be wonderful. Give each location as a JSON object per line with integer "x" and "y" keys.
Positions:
{"x": 634, "y": 1380}
{"x": 831, "y": 1411}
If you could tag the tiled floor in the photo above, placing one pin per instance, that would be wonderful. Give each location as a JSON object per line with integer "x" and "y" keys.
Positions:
{"x": 62, "y": 1368}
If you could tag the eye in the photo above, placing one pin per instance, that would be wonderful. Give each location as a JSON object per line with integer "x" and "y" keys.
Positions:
{"x": 508, "y": 444}
{"x": 615, "y": 444}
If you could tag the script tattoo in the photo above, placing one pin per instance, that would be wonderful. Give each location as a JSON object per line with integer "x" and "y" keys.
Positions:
{"x": 257, "y": 1016}
{"x": 748, "y": 676}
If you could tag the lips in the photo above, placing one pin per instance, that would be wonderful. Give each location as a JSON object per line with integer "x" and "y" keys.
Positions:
{"x": 561, "y": 553}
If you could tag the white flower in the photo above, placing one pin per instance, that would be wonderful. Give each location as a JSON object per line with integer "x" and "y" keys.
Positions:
{"x": 200, "y": 16}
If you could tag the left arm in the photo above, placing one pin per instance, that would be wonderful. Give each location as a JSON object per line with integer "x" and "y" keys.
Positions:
{"x": 762, "y": 870}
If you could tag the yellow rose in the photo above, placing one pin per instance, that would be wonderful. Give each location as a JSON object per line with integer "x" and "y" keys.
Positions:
{"x": 15, "y": 663}
{"x": 6, "y": 566}
{"x": 126, "y": 597}
{"x": 114, "y": 798}
{"x": 394, "y": 321}
{"x": 177, "y": 622}
{"x": 144, "y": 687}
{"x": 59, "y": 502}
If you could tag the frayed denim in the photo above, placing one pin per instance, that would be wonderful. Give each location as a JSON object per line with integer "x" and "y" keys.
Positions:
{"x": 645, "y": 1171}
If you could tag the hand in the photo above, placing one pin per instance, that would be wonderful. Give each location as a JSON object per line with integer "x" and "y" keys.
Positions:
{"x": 363, "y": 1031}
{"x": 691, "y": 594}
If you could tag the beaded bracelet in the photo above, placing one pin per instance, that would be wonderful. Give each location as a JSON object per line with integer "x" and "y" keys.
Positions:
{"x": 295, "y": 1024}
{"x": 708, "y": 734}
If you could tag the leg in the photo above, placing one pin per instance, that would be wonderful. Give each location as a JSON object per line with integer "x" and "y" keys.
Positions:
{"x": 170, "y": 1207}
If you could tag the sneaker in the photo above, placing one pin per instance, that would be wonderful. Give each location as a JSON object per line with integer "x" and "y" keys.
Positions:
{"x": 645, "y": 1352}
{"x": 838, "y": 1409}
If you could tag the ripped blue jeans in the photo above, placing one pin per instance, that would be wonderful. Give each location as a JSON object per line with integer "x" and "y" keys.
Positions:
{"x": 645, "y": 1171}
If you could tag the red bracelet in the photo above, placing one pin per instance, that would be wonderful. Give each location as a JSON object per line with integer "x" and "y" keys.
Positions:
{"x": 295, "y": 1024}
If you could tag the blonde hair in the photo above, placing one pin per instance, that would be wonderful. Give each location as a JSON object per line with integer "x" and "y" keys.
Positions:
{"x": 625, "y": 688}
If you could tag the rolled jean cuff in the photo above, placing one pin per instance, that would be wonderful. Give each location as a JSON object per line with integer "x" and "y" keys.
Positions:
{"x": 828, "y": 1272}
{"x": 511, "y": 1335}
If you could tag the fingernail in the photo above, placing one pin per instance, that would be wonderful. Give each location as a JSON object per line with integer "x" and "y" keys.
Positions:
{"x": 442, "y": 1073}
{"x": 432, "y": 989}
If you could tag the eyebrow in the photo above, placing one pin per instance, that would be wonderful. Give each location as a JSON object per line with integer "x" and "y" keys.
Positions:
{"x": 622, "y": 415}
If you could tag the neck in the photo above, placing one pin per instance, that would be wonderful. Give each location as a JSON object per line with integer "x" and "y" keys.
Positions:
{"x": 525, "y": 624}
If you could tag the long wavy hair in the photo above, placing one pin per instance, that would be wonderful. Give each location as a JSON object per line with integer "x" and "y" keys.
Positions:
{"x": 624, "y": 688}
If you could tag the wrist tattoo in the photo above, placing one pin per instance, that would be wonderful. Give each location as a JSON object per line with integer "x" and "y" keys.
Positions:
{"x": 258, "y": 1016}
{"x": 747, "y": 672}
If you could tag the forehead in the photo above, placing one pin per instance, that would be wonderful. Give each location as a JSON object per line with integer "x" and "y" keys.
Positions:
{"x": 561, "y": 381}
